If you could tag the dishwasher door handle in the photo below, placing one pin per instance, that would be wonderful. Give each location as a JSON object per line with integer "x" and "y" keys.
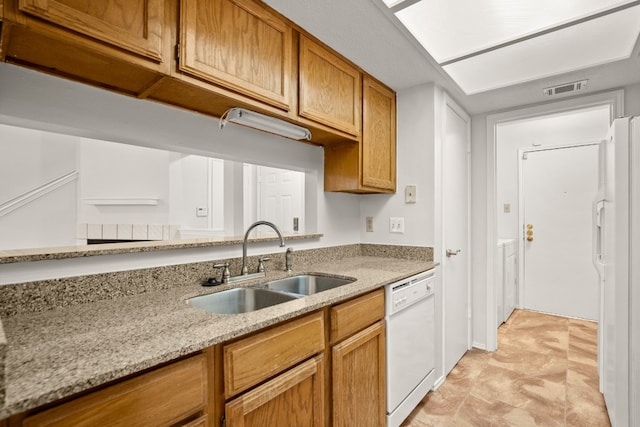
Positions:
{"x": 451, "y": 252}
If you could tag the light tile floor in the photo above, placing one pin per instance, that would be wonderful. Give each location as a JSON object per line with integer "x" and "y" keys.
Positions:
{"x": 543, "y": 374}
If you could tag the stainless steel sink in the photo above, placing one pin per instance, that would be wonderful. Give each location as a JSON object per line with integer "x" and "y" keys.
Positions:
{"x": 239, "y": 300}
{"x": 307, "y": 284}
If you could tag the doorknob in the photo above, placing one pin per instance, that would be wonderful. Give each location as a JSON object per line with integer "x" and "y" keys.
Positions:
{"x": 451, "y": 252}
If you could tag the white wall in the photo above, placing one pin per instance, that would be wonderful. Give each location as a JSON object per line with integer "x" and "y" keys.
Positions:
{"x": 415, "y": 160}
{"x": 632, "y": 100}
{"x": 36, "y": 100}
{"x": 118, "y": 171}
{"x": 30, "y": 97}
{"x": 196, "y": 182}
{"x": 560, "y": 129}
{"x": 29, "y": 160}
{"x": 479, "y": 207}
{"x": 478, "y": 229}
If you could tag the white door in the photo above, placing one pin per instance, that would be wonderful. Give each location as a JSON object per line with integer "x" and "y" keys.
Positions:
{"x": 281, "y": 199}
{"x": 559, "y": 186}
{"x": 455, "y": 266}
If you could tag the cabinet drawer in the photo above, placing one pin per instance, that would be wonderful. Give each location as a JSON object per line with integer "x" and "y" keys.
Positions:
{"x": 159, "y": 398}
{"x": 355, "y": 315}
{"x": 256, "y": 358}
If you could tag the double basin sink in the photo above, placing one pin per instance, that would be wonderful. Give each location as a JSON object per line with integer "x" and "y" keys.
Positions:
{"x": 243, "y": 300}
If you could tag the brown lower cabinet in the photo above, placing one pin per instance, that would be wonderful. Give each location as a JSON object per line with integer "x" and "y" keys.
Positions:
{"x": 358, "y": 362}
{"x": 294, "y": 398}
{"x": 359, "y": 379}
{"x": 320, "y": 369}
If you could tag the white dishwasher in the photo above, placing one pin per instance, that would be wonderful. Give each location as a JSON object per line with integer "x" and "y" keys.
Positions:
{"x": 410, "y": 321}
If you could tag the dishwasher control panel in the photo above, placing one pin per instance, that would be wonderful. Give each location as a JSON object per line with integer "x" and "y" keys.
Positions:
{"x": 405, "y": 293}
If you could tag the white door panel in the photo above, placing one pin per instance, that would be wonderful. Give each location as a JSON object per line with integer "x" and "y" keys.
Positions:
{"x": 559, "y": 186}
{"x": 455, "y": 237}
{"x": 281, "y": 196}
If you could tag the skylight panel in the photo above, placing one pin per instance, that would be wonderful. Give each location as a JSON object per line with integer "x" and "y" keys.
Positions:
{"x": 391, "y": 3}
{"x": 450, "y": 29}
{"x": 609, "y": 38}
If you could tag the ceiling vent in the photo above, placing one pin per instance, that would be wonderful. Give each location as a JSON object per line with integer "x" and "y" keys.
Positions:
{"x": 565, "y": 88}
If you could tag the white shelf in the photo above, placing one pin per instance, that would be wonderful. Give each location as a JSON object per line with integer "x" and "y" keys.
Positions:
{"x": 123, "y": 201}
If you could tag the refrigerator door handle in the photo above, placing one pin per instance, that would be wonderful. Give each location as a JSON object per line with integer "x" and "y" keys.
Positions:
{"x": 597, "y": 253}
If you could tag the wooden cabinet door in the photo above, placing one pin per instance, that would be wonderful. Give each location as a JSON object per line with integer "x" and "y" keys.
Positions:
{"x": 294, "y": 398}
{"x": 359, "y": 382}
{"x": 132, "y": 25}
{"x": 239, "y": 45}
{"x": 330, "y": 88}
{"x": 378, "y": 151}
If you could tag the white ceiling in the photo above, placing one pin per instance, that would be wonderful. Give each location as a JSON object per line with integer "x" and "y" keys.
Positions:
{"x": 367, "y": 33}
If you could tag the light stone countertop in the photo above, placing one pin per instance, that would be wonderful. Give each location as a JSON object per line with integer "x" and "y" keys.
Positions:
{"x": 60, "y": 352}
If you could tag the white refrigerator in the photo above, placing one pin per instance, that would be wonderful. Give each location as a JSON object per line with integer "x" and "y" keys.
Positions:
{"x": 617, "y": 259}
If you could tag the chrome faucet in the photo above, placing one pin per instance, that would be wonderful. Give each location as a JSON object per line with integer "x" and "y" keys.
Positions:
{"x": 245, "y": 270}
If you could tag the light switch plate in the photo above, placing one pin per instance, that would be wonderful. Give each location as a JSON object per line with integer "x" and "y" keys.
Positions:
{"x": 507, "y": 208}
{"x": 410, "y": 194}
{"x": 396, "y": 225}
{"x": 202, "y": 211}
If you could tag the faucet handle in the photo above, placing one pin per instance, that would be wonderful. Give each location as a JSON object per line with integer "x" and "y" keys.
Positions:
{"x": 226, "y": 274}
{"x": 288, "y": 260}
{"x": 261, "y": 262}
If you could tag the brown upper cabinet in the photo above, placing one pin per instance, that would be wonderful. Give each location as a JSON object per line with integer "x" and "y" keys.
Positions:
{"x": 369, "y": 166}
{"x": 133, "y": 25}
{"x": 330, "y": 88}
{"x": 209, "y": 56}
{"x": 378, "y": 136}
{"x": 114, "y": 44}
{"x": 239, "y": 45}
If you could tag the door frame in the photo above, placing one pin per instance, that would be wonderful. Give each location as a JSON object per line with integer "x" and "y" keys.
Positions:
{"x": 448, "y": 102}
{"x": 615, "y": 101}
{"x": 520, "y": 239}
{"x": 634, "y": 282}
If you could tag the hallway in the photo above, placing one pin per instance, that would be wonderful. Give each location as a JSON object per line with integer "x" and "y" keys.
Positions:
{"x": 544, "y": 374}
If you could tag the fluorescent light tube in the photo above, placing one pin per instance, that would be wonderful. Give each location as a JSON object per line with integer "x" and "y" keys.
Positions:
{"x": 265, "y": 123}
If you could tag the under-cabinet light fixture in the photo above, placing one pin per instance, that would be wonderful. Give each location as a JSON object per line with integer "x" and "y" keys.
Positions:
{"x": 265, "y": 123}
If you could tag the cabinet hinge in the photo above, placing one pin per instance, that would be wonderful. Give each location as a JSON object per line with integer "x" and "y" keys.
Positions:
{"x": 223, "y": 421}
{"x": 177, "y": 52}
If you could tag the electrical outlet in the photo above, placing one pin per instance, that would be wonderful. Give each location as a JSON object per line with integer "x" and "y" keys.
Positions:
{"x": 202, "y": 211}
{"x": 396, "y": 225}
{"x": 410, "y": 194}
{"x": 369, "y": 221}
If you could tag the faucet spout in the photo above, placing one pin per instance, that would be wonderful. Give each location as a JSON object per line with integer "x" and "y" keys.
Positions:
{"x": 245, "y": 270}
